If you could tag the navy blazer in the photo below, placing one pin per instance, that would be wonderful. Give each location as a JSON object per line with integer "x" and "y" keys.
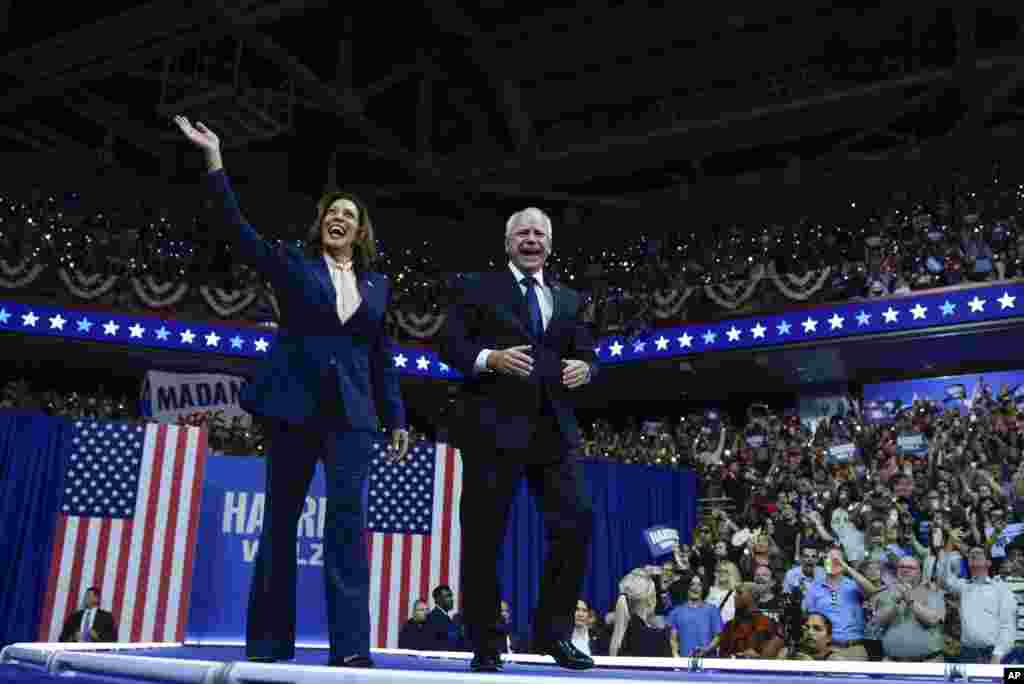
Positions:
{"x": 313, "y": 348}
{"x": 496, "y": 410}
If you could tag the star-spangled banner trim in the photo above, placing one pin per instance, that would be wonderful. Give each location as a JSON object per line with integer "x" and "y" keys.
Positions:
{"x": 928, "y": 310}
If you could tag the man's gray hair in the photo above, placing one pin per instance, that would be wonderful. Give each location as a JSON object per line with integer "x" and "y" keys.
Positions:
{"x": 527, "y": 214}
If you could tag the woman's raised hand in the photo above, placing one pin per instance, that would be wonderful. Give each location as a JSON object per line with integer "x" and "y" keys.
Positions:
{"x": 200, "y": 136}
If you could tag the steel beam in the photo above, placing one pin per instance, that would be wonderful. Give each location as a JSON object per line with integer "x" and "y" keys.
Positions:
{"x": 449, "y": 17}
{"x": 732, "y": 123}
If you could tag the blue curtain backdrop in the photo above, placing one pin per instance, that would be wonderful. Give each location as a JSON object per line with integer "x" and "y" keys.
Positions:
{"x": 32, "y": 451}
{"x": 627, "y": 500}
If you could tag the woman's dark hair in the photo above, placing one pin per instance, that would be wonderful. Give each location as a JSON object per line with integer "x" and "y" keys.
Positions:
{"x": 364, "y": 249}
{"x": 824, "y": 618}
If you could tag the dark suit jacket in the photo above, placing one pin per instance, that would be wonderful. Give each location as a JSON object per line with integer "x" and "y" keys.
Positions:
{"x": 445, "y": 633}
{"x": 416, "y": 636}
{"x": 496, "y": 410}
{"x": 103, "y": 623}
{"x": 313, "y": 347}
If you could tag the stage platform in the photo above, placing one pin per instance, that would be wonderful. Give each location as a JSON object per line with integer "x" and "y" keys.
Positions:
{"x": 207, "y": 664}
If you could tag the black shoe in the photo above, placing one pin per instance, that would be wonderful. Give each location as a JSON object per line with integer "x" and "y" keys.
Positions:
{"x": 567, "y": 655}
{"x": 351, "y": 661}
{"x": 261, "y": 659}
{"x": 485, "y": 663}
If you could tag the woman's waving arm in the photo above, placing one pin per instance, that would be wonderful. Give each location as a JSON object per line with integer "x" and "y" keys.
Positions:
{"x": 247, "y": 244}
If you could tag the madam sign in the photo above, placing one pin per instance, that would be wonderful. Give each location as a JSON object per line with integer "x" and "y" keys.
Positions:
{"x": 170, "y": 397}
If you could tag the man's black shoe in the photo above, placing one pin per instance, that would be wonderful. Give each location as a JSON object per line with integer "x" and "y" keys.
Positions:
{"x": 261, "y": 659}
{"x": 485, "y": 663}
{"x": 567, "y": 655}
{"x": 351, "y": 661}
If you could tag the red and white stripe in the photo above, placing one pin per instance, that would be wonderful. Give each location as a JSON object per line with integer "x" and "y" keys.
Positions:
{"x": 143, "y": 564}
{"x": 406, "y": 567}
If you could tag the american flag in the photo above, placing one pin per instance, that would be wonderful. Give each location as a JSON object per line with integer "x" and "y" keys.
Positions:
{"x": 127, "y": 524}
{"x": 415, "y": 534}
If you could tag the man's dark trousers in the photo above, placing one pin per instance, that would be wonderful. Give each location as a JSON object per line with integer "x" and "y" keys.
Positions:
{"x": 490, "y": 483}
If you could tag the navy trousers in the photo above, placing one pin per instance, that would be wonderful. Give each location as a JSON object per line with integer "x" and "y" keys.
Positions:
{"x": 291, "y": 463}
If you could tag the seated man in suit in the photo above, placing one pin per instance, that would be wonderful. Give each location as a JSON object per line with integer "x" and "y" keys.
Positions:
{"x": 445, "y": 631}
{"x": 92, "y": 623}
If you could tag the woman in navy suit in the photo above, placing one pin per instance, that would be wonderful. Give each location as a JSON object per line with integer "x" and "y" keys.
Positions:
{"x": 319, "y": 390}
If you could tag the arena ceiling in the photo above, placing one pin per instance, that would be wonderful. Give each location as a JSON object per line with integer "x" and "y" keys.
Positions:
{"x": 620, "y": 110}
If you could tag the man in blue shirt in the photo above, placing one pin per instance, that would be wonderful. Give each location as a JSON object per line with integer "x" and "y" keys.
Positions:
{"x": 840, "y": 599}
{"x": 695, "y": 623}
{"x": 801, "y": 576}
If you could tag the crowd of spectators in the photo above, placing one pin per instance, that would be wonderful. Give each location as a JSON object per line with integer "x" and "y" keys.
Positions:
{"x": 851, "y": 539}
{"x": 970, "y": 234}
{"x": 819, "y": 540}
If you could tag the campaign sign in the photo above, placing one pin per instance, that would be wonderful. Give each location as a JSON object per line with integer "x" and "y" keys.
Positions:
{"x": 172, "y": 397}
{"x": 964, "y": 393}
{"x": 842, "y": 453}
{"x": 1009, "y": 533}
{"x": 661, "y": 540}
{"x": 230, "y": 521}
{"x": 912, "y": 444}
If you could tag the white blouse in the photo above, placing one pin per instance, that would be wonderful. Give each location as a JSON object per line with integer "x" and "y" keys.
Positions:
{"x": 345, "y": 287}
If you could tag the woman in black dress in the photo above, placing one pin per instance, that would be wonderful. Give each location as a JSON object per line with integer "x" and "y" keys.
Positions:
{"x": 638, "y": 633}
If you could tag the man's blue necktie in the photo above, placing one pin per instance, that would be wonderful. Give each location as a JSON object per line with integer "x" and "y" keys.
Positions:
{"x": 533, "y": 305}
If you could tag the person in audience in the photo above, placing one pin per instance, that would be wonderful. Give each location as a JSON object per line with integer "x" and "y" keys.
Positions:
{"x": 444, "y": 625}
{"x": 600, "y": 634}
{"x": 807, "y": 572}
{"x": 694, "y": 623}
{"x": 873, "y": 631}
{"x": 841, "y": 599}
{"x": 723, "y": 593}
{"x": 988, "y": 608}
{"x": 584, "y": 636}
{"x": 751, "y": 634}
{"x": 637, "y": 633}
{"x": 319, "y": 391}
{"x": 787, "y": 532}
{"x": 512, "y": 643}
{"x": 769, "y": 601}
{"x": 91, "y": 623}
{"x": 912, "y": 614}
{"x": 816, "y": 642}
{"x": 415, "y": 635}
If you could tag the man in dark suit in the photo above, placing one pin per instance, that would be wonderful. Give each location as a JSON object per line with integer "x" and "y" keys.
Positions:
{"x": 518, "y": 338}
{"x": 446, "y": 631}
{"x": 92, "y": 623}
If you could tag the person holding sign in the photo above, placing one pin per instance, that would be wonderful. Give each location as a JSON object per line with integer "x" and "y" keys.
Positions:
{"x": 319, "y": 390}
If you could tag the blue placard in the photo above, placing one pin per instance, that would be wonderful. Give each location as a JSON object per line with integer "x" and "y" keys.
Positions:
{"x": 912, "y": 444}
{"x": 661, "y": 540}
{"x": 842, "y": 453}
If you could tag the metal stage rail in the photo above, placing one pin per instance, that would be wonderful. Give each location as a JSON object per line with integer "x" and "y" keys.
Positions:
{"x": 116, "y": 660}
